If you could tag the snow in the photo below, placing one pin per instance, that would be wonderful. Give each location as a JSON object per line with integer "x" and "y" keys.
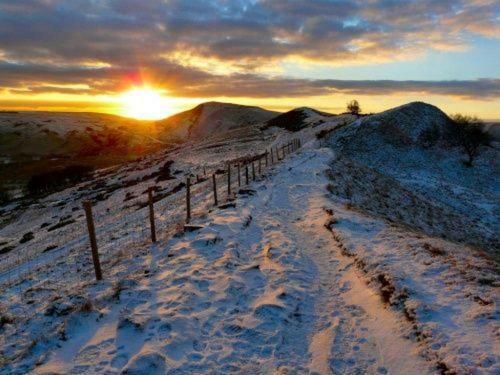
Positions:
{"x": 382, "y": 166}
{"x": 240, "y": 295}
{"x": 291, "y": 279}
{"x": 446, "y": 290}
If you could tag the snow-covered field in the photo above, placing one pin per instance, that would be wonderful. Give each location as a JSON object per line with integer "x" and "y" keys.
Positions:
{"x": 292, "y": 279}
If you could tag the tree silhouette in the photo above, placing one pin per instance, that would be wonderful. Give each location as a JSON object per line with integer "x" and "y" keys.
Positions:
{"x": 353, "y": 107}
{"x": 470, "y": 135}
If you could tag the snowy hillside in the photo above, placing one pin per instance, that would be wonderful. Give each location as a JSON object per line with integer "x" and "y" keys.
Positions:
{"x": 34, "y": 142}
{"x": 39, "y": 142}
{"x": 37, "y": 134}
{"x": 322, "y": 264}
{"x": 402, "y": 164}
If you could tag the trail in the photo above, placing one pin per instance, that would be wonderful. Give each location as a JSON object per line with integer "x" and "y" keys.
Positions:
{"x": 353, "y": 331}
{"x": 262, "y": 288}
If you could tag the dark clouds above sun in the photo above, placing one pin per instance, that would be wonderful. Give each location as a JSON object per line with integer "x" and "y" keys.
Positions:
{"x": 243, "y": 48}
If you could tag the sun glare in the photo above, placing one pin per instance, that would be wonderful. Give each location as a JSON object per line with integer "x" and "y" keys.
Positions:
{"x": 145, "y": 103}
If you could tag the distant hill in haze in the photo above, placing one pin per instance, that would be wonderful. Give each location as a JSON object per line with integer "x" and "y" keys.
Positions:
{"x": 37, "y": 134}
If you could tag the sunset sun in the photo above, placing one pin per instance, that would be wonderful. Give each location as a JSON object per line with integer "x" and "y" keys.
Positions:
{"x": 144, "y": 103}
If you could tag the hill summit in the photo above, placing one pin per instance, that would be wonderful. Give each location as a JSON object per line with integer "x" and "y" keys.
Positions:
{"x": 210, "y": 117}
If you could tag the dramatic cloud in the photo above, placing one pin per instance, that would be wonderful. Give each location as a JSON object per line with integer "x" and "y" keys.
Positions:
{"x": 87, "y": 46}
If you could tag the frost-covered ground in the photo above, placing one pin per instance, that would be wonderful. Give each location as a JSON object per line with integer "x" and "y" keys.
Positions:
{"x": 293, "y": 279}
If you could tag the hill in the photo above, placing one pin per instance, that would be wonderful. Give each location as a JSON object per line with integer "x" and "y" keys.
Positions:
{"x": 298, "y": 118}
{"x": 212, "y": 117}
{"x": 37, "y": 134}
{"x": 404, "y": 164}
{"x": 34, "y": 142}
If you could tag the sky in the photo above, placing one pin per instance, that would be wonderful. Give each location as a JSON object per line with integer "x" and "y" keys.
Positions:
{"x": 90, "y": 55}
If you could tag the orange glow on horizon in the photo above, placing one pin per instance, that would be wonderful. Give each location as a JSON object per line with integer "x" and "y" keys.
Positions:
{"x": 144, "y": 103}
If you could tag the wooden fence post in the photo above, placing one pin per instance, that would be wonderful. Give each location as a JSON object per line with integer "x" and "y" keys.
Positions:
{"x": 228, "y": 180}
{"x": 188, "y": 199}
{"x": 151, "y": 215}
{"x": 214, "y": 183}
{"x": 93, "y": 242}
{"x": 272, "y": 155}
{"x": 253, "y": 170}
{"x": 267, "y": 157}
{"x": 260, "y": 168}
{"x": 239, "y": 175}
{"x": 246, "y": 174}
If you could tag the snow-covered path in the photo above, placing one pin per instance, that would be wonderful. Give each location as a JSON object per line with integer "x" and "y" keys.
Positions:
{"x": 262, "y": 288}
{"x": 353, "y": 332}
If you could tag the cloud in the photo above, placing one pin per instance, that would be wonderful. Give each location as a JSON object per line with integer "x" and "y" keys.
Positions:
{"x": 262, "y": 87}
{"x": 192, "y": 82}
{"x": 103, "y": 45}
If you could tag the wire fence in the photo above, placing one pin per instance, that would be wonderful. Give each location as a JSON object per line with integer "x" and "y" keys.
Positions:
{"x": 168, "y": 211}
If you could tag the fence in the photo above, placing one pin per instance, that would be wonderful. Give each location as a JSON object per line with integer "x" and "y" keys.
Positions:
{"x": 258, "y": 159}
{"x": 202, "y": 192}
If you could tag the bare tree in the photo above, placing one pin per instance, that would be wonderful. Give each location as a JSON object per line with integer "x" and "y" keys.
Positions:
{"x": 353, "y": 107}
{"x": 470, "y": 135}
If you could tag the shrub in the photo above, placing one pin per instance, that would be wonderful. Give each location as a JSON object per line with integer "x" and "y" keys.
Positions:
{"x": 470, "y": 135}
{"x": 48, "y": 182}
{"x": 353, "y": 107}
